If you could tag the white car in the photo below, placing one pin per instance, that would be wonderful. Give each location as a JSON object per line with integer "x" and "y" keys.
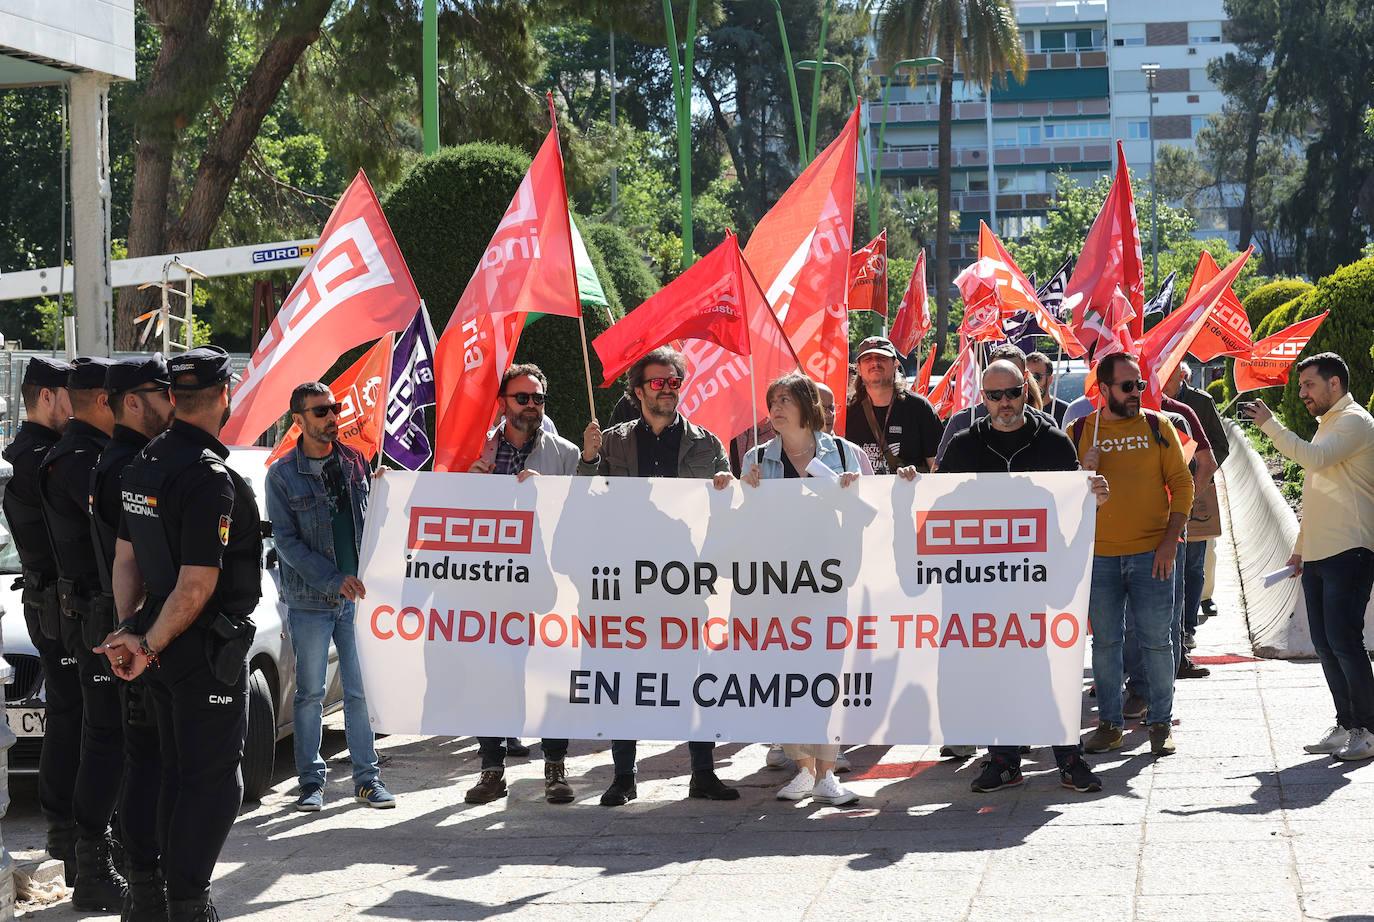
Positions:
{"x": 271, "y": 661}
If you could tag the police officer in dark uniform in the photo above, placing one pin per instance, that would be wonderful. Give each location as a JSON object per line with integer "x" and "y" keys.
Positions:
{"x": 142, "y": 408}
{"x": 64, "y": 489}
{"x": 47, "y": 406}
{"x": 190, "y": 538}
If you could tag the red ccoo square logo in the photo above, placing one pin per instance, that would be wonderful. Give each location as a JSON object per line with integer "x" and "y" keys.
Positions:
{"x": 981, "y": 531}
{"x": 483, "y": 531}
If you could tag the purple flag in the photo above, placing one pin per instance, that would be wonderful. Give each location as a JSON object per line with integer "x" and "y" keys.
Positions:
{"x": 412, "y": 389}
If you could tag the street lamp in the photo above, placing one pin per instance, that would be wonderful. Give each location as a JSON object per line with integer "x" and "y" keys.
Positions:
{"x": 1150, "y": 69}
{"x": 853, "y": 98}
{"x": 791, "y": 82}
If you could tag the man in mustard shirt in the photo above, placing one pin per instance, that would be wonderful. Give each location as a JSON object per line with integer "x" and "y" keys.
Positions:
{"x": 1138, "y": 530}
{"x": 1333, "y": 554}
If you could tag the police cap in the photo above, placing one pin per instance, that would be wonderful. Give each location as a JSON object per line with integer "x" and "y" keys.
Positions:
{"x": 45, "y": 372}
{"x": 88, "y": 372}
{"x": 127, "y": 374}
{"x": 210, "y": 365}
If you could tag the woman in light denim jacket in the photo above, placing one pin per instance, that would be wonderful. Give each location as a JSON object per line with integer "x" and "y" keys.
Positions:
{"x": 794, "y": 407}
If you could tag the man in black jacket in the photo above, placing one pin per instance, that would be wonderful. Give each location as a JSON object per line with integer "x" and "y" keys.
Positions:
{"x": 1011, "y": 440}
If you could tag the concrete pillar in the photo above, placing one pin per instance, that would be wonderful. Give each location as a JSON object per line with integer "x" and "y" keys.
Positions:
{"x": 90, "y": 184}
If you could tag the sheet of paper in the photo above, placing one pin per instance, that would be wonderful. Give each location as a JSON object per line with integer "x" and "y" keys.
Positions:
{"x": 1277, "y": 576}
{"x": 816, "y": 468}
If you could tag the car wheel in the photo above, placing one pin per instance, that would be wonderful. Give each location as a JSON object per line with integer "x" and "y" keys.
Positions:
{"x": 260, "y": 748}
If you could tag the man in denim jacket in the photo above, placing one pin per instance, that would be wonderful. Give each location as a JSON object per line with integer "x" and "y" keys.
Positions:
{"x": 316, "y": 499}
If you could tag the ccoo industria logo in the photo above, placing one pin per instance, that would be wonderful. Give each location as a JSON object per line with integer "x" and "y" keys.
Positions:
{"x": 981, "y": 531}
{"x": 480, "y": 531}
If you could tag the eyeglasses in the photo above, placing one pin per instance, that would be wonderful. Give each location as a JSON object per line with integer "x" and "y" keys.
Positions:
{"x": 524, "y": 397}
{"x": 658, "y": 384}
{"x": 324, "y": 409}
{"x": 1128, "y": 387}
{"x": 1011, "y": 393}
{"x": 1040, "y": 376}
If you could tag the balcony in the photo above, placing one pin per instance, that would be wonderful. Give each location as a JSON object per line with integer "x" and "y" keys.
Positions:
{"x": 913, "y": 112}
{"x": 925, "y": 157}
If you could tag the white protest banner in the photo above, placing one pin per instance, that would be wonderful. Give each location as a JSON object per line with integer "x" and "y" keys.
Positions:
{"x": 951, "y": 609}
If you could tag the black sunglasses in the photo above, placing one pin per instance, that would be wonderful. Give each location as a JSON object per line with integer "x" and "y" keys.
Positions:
{"x": 523, "y": 398}
{"x": 1012, "y": 393}
{"x": 1128, "y": 387}
{"x": 659, "y": 384}
{"x": 1039, "y": 376}
{"x": 324, "y": 409}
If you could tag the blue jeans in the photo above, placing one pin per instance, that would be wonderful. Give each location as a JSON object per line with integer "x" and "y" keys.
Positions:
{"x": 1115, "y": 582}
{"x": 1132, "y": 659}
{"x": 623, "y": 755}
{"x": 1194, "y": 575}
{"x": 311, "y": 632}
{"x": 1337, "y": 591}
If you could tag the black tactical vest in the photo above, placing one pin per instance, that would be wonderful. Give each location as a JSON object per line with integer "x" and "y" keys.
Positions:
{"x": 22, "y": 507}
{"x": 148, "y": 485}
{"x": 71, "y": 536}
{"x": 118, "y": 452}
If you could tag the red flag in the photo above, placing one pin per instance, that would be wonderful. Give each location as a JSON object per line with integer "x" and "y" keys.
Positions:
{"x": 799, "y": 252}
{"x": 982, "y": 306}
{"x": 922, "y": 385}
{"x": 362, "y": 390}
{"x": 913, "y": 315}
{"x": 868, "y": 277}
{"x": 1163, "y": 347}
{"x": 959, "y": 387}
{"x": 1271, "y": 360}
{"x": 716, "y": 395}
{"x": 527, "y": 267}
{"x": 1018, "y": 294}
{"x": 355, "y": 288}
{"x": 708, "y": 302}
{"x": 1226, "y": 331}
{"x": 1111, "y": 256}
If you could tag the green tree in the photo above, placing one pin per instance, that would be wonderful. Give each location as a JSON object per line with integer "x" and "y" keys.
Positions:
{"x": 982, "y": 40}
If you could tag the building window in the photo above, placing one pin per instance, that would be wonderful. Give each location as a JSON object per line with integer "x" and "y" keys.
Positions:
{"x": 1062, "y": 131}
{"x": 1028, "y": 40}
{"x": 1018, "y": 225}
{"x": 1019, "y": 182}
{"x": 1138, "y": 130}
{"x": 1128, "y": 34}
{"x": 977, "y": 182}
{"x": 1028, "y": 135}
{"x": 1199, "y": 123}
{"x": 1052, "y": 40}
{"x": 1204, "y": 33}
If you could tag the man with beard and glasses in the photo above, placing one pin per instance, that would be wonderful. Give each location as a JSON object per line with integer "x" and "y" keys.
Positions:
{"x": 142, "y": 406}
{"x": 520, "y": 445}
{"x": 1333, "y": 555}
{"x": 317, "y": 501}
{"x": 188, "y": 573}
{"x": 1011, "y": 439}
{"x": 1138, "y": 530}
{"x": 661, "y": 443}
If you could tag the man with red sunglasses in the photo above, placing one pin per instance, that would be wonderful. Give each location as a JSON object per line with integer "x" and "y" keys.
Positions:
{"x": 661, "y": 443}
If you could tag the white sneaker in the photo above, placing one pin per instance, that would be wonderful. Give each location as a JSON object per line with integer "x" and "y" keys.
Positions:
{"x": 1361, "y": 746}
{"x": 841, "y": 764}
{"x": 1334, "y": 741}
{"x": 829, "y": 791}
{"x": 799, "y": 787}
{"x": 776, "y": 757}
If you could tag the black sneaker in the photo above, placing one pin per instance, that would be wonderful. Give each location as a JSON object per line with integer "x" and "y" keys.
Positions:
{"x": 1079, "y": 777}
{"x": 516, "y": 748}
{"x": 996, "y": 775}
{"x": 621, "y": 791}
{"x": 707, "y": 786}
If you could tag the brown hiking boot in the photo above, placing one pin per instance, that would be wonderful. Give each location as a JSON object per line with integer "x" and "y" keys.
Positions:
{"x": 556, "y": 787}
{"x": 491, "y": 786}
{"x": 1162, "y": 739}
{"x": 1105, "y": 737}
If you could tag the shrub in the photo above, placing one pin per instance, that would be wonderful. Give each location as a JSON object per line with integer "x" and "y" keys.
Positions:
{"x": 1262, "y": 301}
{"x": 1278, "y": 318}
{"x": 1347, "y": 294}
{"x": 1218, "y": 390}
{"x": 625, "y": 263}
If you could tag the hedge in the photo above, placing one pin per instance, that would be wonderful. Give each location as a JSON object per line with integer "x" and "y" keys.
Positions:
{"x": 443, "y": 211}
{"x": 1218, "y": 391}
{"x": 1263, "y": 300}
{"x": 1347, "y": 294}
{"x": 633, "y": 280}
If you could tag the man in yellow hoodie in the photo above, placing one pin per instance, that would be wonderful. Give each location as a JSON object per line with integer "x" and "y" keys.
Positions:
{"x": 1333, "y": 554}
{"x": 1138, "y": 531}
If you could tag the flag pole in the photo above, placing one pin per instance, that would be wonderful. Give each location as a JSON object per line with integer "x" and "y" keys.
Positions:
{"x": 753, "y": 402}
{"x": 581, "y": 324}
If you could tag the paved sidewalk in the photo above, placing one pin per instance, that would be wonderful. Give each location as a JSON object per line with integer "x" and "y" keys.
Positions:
{"x": 1240, "y": 825}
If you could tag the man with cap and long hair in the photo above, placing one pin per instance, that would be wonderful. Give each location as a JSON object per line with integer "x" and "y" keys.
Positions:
{"x": 142, "y": 407}
{"x": 47, "y": 406}
{"x": 896, "y": 427}
{"x": 64, "y": 489}
{"x": 188, "y": 574}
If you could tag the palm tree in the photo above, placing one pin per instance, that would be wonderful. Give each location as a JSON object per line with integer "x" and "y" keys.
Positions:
{"x": 982, "y": 40}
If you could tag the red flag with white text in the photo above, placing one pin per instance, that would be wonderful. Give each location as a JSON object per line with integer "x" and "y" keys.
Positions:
{"x": 1018, "y": 294}
{"x": 1111, "y": 256}
{"x": 1271, "y": 360}
{"x": 982, "y": 307}
{"x": 362, "y": 389}
{"x": 912, "y": 322}
{"x": 355, "y": 288}
{"x": 1226, "y": 331}
{"x": 708, "y": 302}
{"x": 528, "y": 267}
{"x": 868, "y": 277}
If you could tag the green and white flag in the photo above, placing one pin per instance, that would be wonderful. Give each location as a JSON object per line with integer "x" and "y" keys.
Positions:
{"x": 589, "y": 290}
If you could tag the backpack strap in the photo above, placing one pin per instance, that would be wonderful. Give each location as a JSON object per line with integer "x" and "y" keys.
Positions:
{"x": 844, "y": 457}
{"x": 1078, "y": 425}
{"x": 1153, "y": 419}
